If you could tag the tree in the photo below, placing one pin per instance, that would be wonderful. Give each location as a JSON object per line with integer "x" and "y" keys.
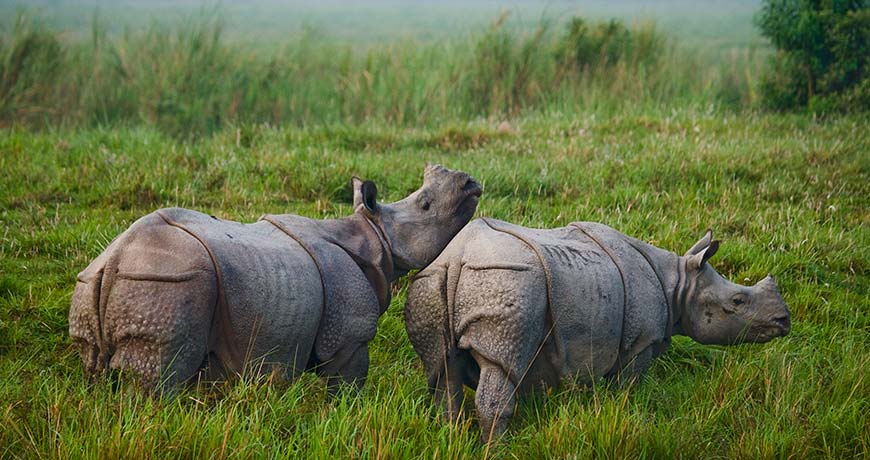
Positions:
{"x": 823, "y": 54}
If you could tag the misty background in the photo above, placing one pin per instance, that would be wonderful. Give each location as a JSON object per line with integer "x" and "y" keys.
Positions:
{"x": 713, "y": 24}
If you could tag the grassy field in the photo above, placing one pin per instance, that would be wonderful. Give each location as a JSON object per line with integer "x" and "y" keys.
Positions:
{"x": 787, "y": 195}
{"x": 660, "y": 151}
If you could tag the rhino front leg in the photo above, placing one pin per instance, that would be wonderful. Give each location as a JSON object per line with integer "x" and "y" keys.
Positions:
{"x": 350, "y": 366}
{"x": 636, "y": 366}
{"x": 494, "y": 399}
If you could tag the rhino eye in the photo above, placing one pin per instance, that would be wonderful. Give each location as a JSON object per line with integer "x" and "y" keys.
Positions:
{"x": 425, "y": 205}
{"x": 738, "y": 301}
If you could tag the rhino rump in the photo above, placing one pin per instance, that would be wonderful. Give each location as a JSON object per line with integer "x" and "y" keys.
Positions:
{"x": 179, "y": 285}
{"x": 464, "y": 302}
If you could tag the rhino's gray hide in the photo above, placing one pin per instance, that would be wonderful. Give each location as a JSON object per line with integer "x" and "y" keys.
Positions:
{"x": 180, "y": 291}
{"x": 272, "y": 286}
{"x": 506, "y": 308}
{"x": 585, "y": 320}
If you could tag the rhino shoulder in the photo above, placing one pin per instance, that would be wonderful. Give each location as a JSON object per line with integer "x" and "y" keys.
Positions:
{"x": 351, "y": 308}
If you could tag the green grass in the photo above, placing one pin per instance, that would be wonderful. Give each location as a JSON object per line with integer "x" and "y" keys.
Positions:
{"x": 787, "y": 195}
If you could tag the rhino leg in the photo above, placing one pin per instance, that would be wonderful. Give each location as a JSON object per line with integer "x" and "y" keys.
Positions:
{"x": 428, "y": 329}
{"x": 349, "y": 366}
{"x": 624, "y": 375}
{"x": 447, "y": 385}
{"x": 494, "y": 400}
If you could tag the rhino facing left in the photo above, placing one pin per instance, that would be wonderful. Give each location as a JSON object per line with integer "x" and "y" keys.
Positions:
{"x": 180, "y": 290}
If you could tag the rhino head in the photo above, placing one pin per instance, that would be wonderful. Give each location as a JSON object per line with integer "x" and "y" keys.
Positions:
{"x": 717, "y": 311}
{"x": 419, "y": 226}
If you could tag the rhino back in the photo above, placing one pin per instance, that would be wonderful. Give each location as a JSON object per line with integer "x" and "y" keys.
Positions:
{"x": 273, "y": 296}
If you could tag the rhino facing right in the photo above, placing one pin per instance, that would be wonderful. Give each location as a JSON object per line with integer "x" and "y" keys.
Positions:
{"x": 505, "y": 309}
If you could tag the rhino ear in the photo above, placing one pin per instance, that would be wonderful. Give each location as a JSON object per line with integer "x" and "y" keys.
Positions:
{"x": 697, "y": 261}
{"x": 356, "y": 184}
{"x": 369, "y": 196}
{"x": 701, "y": 244}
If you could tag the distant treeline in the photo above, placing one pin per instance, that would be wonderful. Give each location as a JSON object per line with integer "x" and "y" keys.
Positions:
{"x": 187, "y": 81}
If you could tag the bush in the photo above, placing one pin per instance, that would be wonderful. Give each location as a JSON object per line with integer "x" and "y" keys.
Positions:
{"x": 823, "y": 58}
{"x": 594, "y": 45}
{"x": 28, "y": 69}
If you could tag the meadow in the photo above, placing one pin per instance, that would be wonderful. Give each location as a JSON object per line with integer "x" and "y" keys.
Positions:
{"x": 103, "y": 126}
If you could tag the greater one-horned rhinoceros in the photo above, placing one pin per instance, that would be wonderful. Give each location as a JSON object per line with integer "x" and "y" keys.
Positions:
{"x": 179, "y": 288}
{"x": 506, "y": 308}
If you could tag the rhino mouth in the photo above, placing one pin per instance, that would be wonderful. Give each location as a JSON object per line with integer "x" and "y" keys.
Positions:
{"x": 472, "y": 187}
{"x": 771, "y": 330}
{"x": 473, "y": 190}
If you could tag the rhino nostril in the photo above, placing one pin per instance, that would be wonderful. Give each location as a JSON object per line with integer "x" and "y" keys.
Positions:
{"x": 781, "y": 321}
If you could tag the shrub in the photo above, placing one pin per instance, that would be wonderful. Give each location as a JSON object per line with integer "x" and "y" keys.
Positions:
{"x": 823, "y": 54}
{"x": 594, "y": 45}
{"x": 28, "y": 69}
{"x": 188, "y": 81}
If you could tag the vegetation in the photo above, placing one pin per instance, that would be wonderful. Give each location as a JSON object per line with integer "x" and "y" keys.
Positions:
{"x": 584, "y": 120}
{"x": 786, "y": 195}
{"x": 824, "y": 54}
{"x": 187, "y": 81}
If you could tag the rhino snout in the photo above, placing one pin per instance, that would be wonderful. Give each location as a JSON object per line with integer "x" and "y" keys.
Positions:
{"x": 781, "y": 325}
{"x": 472, "y": 187}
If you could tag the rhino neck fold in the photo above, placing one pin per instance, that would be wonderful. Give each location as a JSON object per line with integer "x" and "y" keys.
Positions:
{"x": 681, "y": 294}
{"x": 670, "y": 269}
{"x": 364, "y": 241}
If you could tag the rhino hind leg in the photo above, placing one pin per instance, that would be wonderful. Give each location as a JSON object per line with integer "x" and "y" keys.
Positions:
{"x": 428, "y": 329}
{"x": 349, "y": 366}
{"x": 159, "y": 304}
{"x": 458, "y": 370}
{"x": 494, "y": 399}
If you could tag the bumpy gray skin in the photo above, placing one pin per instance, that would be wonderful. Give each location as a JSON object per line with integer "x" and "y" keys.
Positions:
{"x": 505, "y": 309}
{"x": 180, "y": 291}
